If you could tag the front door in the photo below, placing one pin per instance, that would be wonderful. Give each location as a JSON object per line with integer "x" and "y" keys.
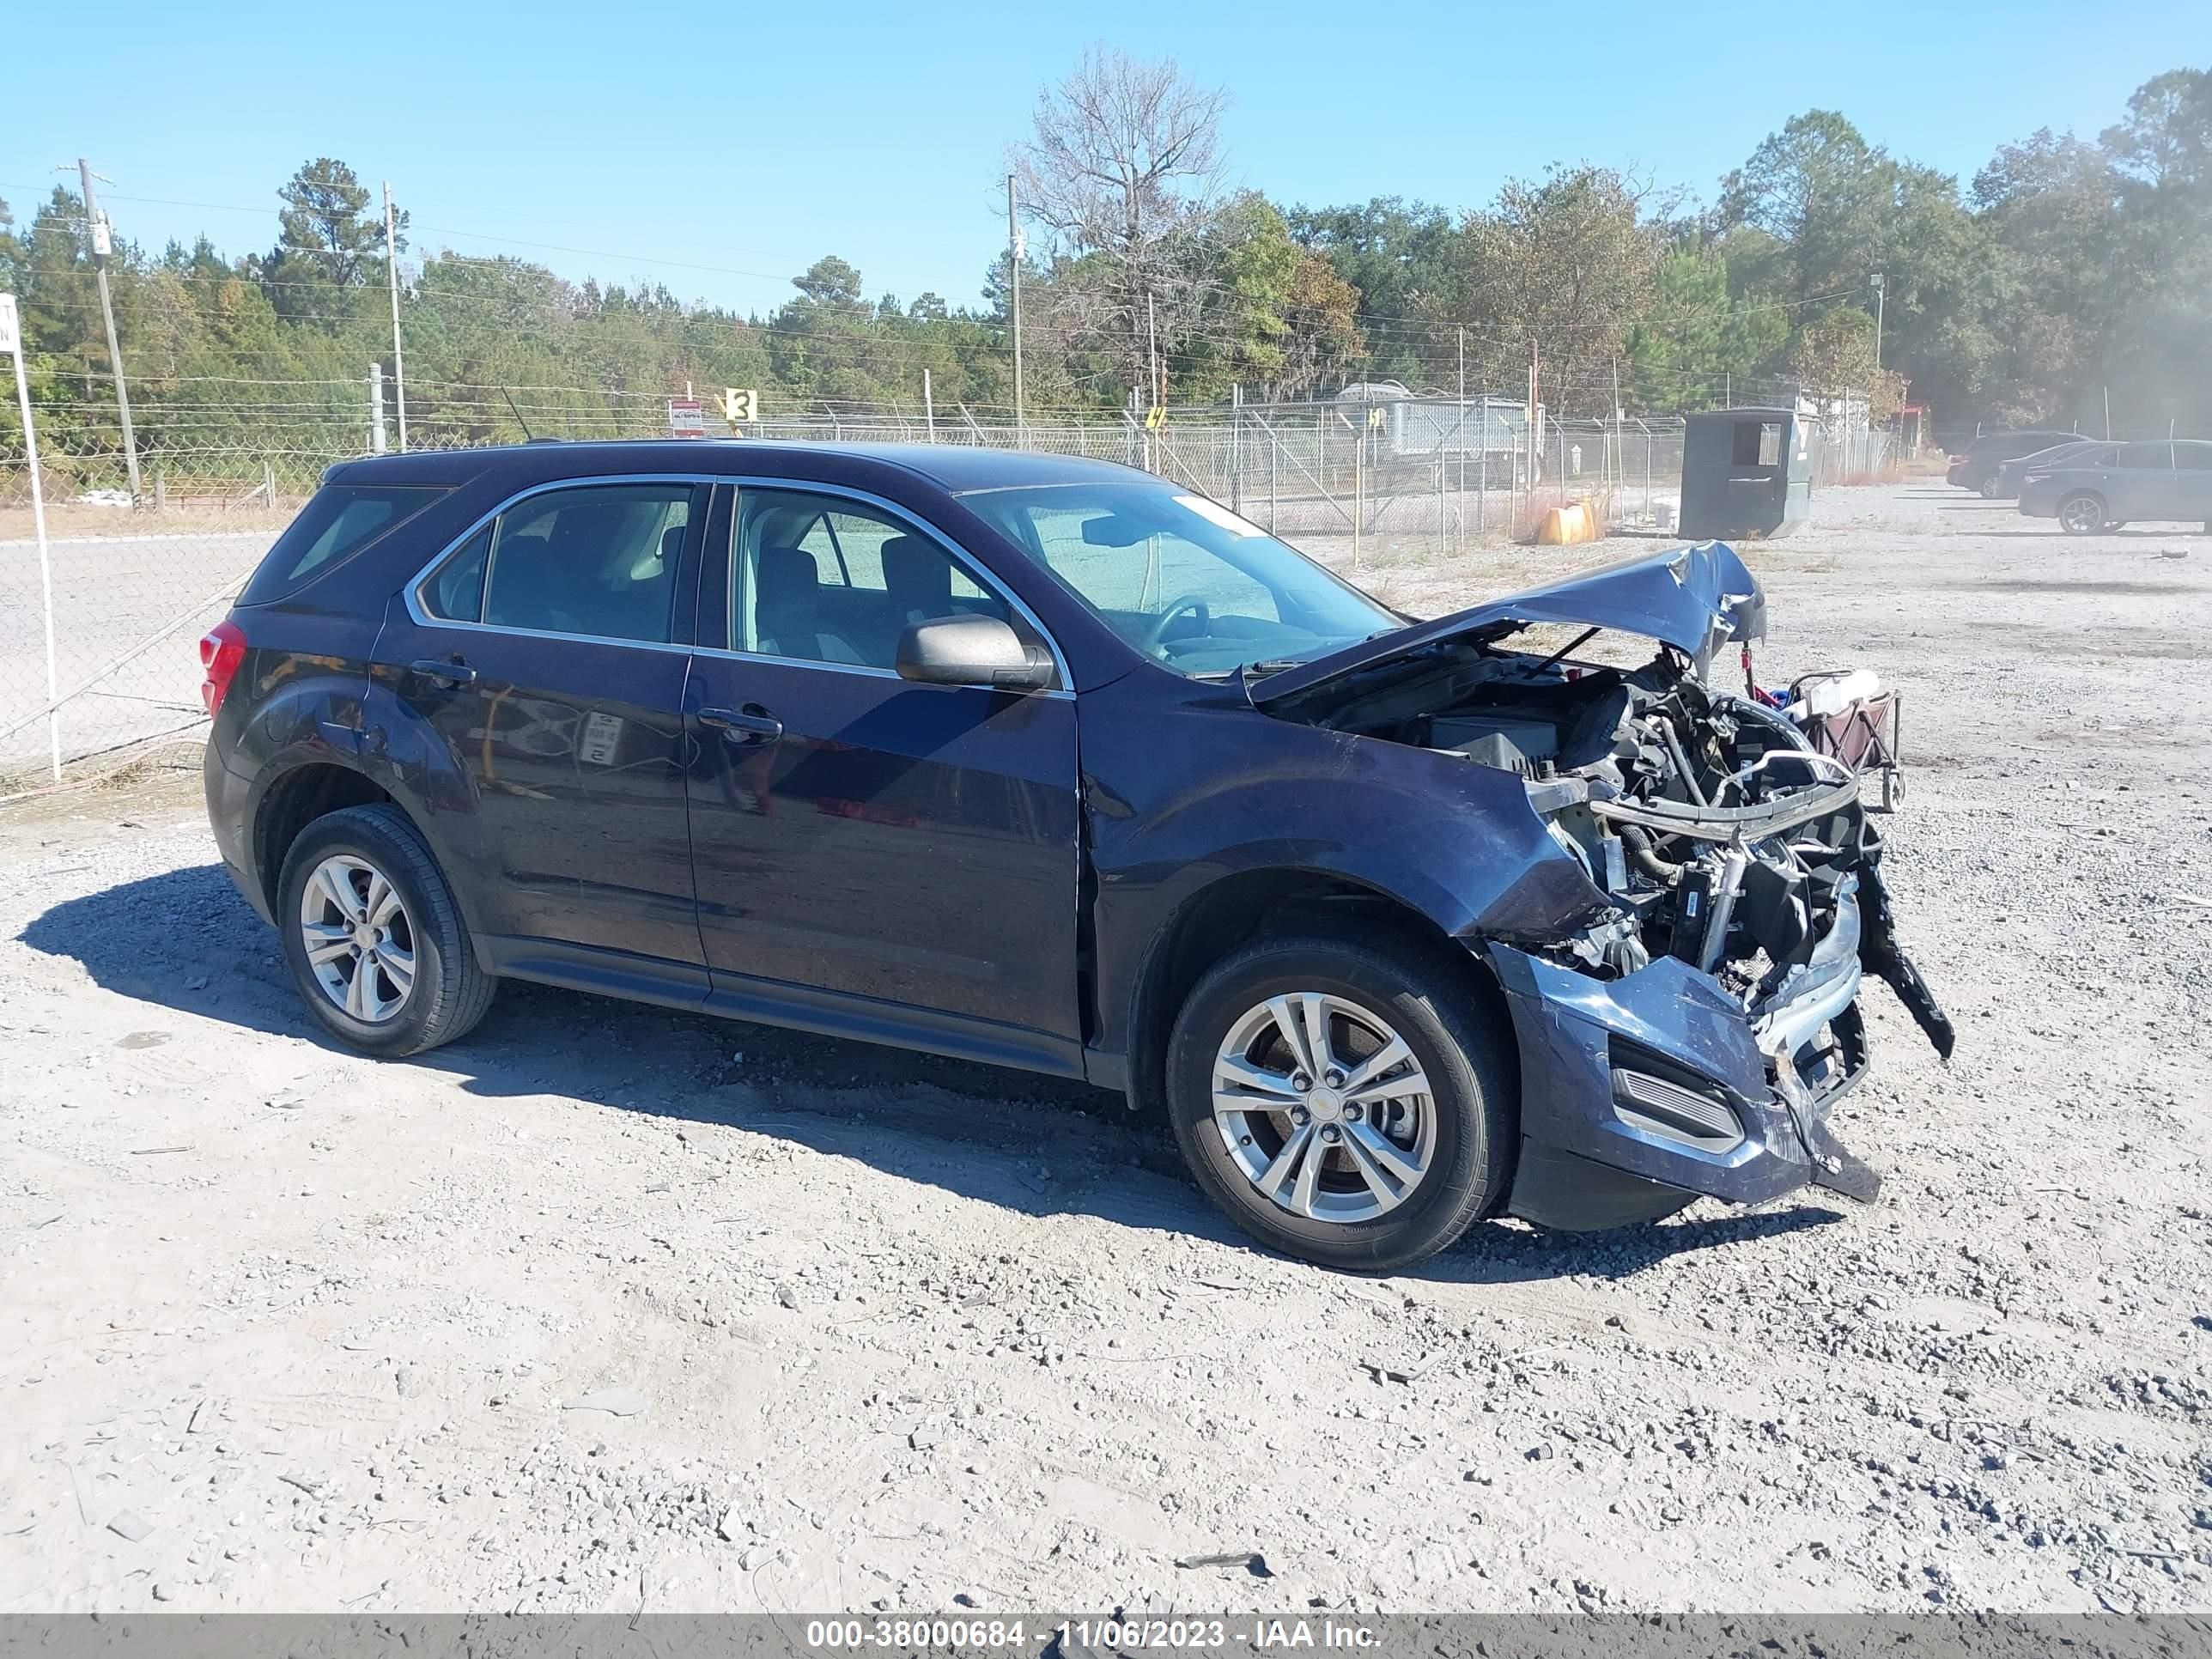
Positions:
{"x": 874, "y": 856}
{"x": 548, "y": 653}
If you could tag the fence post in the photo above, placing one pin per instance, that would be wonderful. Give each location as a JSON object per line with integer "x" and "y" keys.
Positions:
{"x": 1482, "y": 475}
{"x": 11, "y": 341}
{"x": 269, "y": 481}
{"x": 1237, "y": 449}
{"x": 376, "y": 408}
{"x": 1275, "y": 465}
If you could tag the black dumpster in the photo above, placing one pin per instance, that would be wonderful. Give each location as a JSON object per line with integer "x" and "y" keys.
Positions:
{"x": 1747, "y": 473}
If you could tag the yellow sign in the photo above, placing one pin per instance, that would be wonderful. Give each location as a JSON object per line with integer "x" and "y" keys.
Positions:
{"x": 740, "y": 407}
{"x": 1375, "y": 418}
{"x": 1156, "y": 417}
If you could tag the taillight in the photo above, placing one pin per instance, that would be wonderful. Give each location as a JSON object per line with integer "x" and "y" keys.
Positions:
{"x": 221, "y": 653}
{"x": 1958, "y": 460}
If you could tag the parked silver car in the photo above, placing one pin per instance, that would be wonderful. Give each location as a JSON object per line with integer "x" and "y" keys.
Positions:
{"x": 2163, "y": 481}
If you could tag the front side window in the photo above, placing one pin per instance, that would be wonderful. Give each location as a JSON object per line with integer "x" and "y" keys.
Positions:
{"x": 599, "y": 562}
{"x": 1182, "y": 579}
{"x": 824, "y": 579}
{"x": 2192, "y": 457}
{"x": 2140, "y": 458}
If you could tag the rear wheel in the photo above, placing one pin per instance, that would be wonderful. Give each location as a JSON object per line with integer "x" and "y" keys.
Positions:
{"x": 1989, "y": 488}
{"x": 373, "y": 937}
{"x": 2081, "y": 513}
{"x": 1345, "y": 1104}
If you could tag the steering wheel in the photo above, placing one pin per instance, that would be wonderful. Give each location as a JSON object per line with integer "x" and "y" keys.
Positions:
{"x": 1190, "y": 602}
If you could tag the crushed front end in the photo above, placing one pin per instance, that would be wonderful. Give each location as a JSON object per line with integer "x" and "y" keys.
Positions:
{"x": 1696, "y": 1038}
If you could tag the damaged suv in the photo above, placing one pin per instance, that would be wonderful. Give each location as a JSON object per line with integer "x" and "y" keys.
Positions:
{"x": 1053, "y": 765}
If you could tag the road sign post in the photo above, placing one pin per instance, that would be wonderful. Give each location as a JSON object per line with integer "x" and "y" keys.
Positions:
{"x": 11, "y": 342}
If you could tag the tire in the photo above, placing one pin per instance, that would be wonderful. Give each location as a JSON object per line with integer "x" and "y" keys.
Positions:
{"x": 1462, "y": 1131}
{"x": 444, "y": 992}
{"x": 2082, "y": 513}
{"x": 1989, "y": 488}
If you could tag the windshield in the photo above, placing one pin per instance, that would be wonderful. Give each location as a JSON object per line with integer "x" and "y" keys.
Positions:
{"x": 1182, "y": 579}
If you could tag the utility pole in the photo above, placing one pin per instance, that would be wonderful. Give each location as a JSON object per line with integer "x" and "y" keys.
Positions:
{"x": 391, "y": 276}
{"x": 1153, "y": 349}
{"x": 103, "y": 243}
{"x": 376, "y": 408}
{"x": 1014, "y": 288}
{"x": 1880, "y": 294}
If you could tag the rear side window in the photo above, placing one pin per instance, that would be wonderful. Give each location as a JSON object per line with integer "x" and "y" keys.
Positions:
{"x": 596, "y": 561}
{"x": 336, "y": 523}
{"x": 2156, "y": 457}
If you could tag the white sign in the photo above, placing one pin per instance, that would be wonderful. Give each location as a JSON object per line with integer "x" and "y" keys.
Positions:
{"x": 10, "y": 339}
{"x": 740, "y": 406}
{"x": 685, "y": 418}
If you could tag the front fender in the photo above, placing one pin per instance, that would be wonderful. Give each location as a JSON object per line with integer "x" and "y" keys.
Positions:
{"x": 1236, "y": 790}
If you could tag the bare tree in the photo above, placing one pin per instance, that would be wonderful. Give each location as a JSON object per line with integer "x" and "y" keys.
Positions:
{"x": 1122, "y": 175}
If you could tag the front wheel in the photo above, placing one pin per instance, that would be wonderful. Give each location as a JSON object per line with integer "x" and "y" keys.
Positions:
{"x": 2081, "y": 515}
{"x": 1349, "y": 1104}
{"x": 373, "y": 938}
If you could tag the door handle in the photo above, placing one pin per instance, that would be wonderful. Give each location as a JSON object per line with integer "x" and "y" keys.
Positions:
{"x": 453, "y": 672}
{"x": 751, "y": 724}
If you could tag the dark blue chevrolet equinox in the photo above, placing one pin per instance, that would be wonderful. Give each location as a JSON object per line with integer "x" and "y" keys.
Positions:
{"x": 1053, "y": 765}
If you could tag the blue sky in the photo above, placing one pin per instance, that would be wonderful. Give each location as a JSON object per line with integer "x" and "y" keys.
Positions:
{"x": 754, "y": 139}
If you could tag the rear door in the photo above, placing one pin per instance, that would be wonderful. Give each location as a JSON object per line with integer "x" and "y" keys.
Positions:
{"x": 547, "y": 652}
{"x": 873, "y": 855}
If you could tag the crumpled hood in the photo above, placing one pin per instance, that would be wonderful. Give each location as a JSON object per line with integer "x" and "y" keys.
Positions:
{"x": 1694, "y": 598}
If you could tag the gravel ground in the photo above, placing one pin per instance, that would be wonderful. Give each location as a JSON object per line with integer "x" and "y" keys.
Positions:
{"x": 608, "y": 1307}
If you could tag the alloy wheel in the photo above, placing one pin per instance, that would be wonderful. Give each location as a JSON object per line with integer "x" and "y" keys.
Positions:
{"x": 2082, "y": 515}
{"x": 1323, "y": 1107}
{"x": 359, "y": 938}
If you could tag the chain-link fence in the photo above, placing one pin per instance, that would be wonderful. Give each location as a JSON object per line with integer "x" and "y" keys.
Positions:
{"x": 133, "y": 586}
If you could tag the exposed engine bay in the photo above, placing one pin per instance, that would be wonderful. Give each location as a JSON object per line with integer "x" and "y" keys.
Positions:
{"x": 1722, "y": 838}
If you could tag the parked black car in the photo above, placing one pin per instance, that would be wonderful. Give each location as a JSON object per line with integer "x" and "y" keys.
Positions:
{"x": 1976, "y": 467}
{"x": 1051, "y": 764}
{"x": 2124, "y": 483}
{"x": 2004, "y": 485}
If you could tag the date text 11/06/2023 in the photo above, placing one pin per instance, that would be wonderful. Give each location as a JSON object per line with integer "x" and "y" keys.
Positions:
{"x": 1123, "y": 1635}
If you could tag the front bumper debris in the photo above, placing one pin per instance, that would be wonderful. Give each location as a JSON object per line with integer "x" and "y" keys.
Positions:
{"x": 1642, "y": 1090}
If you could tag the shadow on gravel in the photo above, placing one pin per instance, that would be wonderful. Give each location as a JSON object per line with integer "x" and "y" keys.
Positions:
{"x": 184, "y": 940}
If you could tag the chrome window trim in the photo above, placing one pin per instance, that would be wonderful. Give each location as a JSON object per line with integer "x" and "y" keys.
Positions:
{"x": 411, "y": 594}
{"x": 982, "y": 576}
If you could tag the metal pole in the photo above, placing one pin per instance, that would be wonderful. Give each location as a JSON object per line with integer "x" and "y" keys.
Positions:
{"x": 1461, "y": 518}
{"x": 2108, "y": 414}
{"x": 376, "y": 408}
{"x": 929, "y": 407}
{"x": 1237, "y": 448}
{"x": 391, "y": 275}
{"x": 1014, "y": 285}
{"x": 102, "y": 240}
{"x": 1274, "y": 467}
{"x": 11, "y": 339}
{"x": 1482, "y": 474}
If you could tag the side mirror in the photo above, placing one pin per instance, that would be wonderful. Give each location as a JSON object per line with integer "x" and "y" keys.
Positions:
{"x": 971, "y": 651}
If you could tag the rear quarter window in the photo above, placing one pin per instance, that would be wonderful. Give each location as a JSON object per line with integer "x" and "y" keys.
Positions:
{"x": 336, "y": 523}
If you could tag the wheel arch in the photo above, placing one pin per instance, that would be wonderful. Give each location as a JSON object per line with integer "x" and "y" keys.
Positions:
{"x": 1235, "y": 908}
{"x": 296, "y": 797}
